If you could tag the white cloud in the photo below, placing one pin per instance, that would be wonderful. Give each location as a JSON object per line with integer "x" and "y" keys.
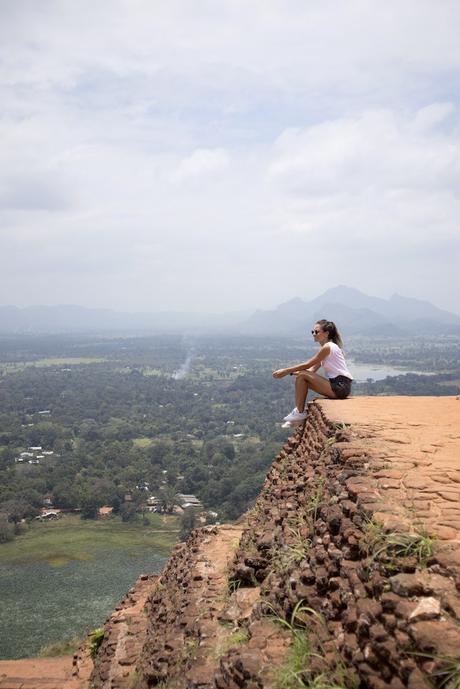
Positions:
{"x": 227, "y": 155}
{"x": 376, "y": 149}
{"x": 379, "y": 182}
{"x": 202, "y": 161}
{"x": 432, "y": 115}
{"x": 293, "y": 42}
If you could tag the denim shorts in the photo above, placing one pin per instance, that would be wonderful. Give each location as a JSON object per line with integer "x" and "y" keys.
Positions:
{"x": 341, "y": 385}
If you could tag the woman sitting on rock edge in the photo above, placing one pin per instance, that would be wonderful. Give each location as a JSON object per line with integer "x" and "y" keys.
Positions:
{"x": 337, "y": 385}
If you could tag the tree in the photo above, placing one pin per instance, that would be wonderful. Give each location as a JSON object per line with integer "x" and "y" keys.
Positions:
{"x": 158, "y": 452}
{"x": 116, "y": 504}
{"x": 105, "y": 489}
{"x": 228, "y": 450}
{"x": 6, "y": 530}
{"x": 188, "y": 522}
{"x": 168, "y": 498}
{"x": 64, "y": 495}
{"x": 6, "y": 457}
{"x": 128, "y": 512}
{"x": 90, "y": 507}
{"x": 16, "y": 509}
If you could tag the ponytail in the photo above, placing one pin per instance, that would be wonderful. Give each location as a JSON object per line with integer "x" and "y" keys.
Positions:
{"x": 330, "y": 328}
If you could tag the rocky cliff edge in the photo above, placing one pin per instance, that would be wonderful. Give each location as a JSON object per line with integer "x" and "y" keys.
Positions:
{"x": 346, "y": 572}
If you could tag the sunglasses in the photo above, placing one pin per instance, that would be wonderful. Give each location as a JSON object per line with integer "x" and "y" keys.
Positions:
{"x": 315, "y": 332}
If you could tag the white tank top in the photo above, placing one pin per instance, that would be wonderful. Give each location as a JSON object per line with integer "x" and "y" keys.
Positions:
{"x": 334, "y": 365}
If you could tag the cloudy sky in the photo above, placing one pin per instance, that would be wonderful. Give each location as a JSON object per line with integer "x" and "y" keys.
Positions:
{"x": 228, "y": 154}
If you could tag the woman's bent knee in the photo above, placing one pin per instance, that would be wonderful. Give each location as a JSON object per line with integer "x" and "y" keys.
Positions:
{"x": 305, "y": 375}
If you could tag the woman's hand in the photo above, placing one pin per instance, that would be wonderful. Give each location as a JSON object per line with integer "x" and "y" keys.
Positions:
{"x": 280, "y": 373}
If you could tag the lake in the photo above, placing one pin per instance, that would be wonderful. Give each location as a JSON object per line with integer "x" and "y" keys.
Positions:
{"x": 361, "y": 372}
{"x": 42, "y": 604}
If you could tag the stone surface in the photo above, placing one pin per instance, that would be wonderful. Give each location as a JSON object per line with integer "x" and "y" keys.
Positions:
{"x": 406, "y": 429}
{"x": 426, "y": 609}
{"x": 124, "y": 637}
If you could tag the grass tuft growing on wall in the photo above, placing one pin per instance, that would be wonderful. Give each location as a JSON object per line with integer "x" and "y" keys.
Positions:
{"x": 377, "y": 543}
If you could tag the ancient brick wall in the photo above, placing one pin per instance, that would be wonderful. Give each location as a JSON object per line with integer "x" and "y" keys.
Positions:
{"x": 124, "y": 636}
{"x": 387, "y": 615}
{"x": 323, "y": 558}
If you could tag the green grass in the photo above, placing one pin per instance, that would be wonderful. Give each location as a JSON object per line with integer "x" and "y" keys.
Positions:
{"x": 72, "y": 538}
{"x": 296, "y": 551}
{"x": 12, "y": 367}
{"x": 95, "y": 638}
{"x": 147, "y": 371}
{"x": 61, "y": 648}
{"x": 446, "y": 671}
{"x": 377, "y": 543}
{"x": 143, "y": 370}
{"x": 291, "y": 674}
{"x": 240, "y": 636}
{"x": 298, "y": 658}
{"x": 200, "y": 372}
{"x": 142, "y": 442}
{"x": 235, "y": 638}
{"x": 295, "y": 672}
{"x": 67, "y": 361}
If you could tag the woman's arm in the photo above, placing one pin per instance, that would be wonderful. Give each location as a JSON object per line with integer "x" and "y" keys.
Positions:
{"x": 314, "y": 363}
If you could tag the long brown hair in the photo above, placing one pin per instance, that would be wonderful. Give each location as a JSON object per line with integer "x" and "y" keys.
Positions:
{"x": 330, "y": 328}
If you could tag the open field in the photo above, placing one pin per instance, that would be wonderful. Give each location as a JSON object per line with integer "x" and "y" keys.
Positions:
{"x": 69, "y": 361}
{"x": 149, "y": 371}
{"x": 143, "y": 370}
{"x": 71, "y": 538}
{"x": 12, "y": 367}
{"x": 142, "y": 442}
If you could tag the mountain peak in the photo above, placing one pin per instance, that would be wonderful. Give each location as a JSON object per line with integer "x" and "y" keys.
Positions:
{"x": 341, "y": 291}
{"x": 291, "y": 304}
{"x": 355, "y": 312}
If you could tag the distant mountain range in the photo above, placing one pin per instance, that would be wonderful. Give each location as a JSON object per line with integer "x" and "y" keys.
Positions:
{"x": 352, "y": 310}
{"x": 356, "y": 313}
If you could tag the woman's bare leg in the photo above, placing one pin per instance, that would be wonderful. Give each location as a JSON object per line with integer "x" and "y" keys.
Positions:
{"x": 301, "y": 392}
{"x": 306, "y": 380}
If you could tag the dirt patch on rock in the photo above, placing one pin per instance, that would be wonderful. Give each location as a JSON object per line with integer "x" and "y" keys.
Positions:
{"x": 41, "y": 673}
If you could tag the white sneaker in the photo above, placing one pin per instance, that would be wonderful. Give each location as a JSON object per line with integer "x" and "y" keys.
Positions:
{"x": 296, "y": 415}
{"x": 292, "y": 424}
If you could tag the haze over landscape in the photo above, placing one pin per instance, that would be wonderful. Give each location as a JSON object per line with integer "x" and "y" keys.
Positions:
{"x": 358, "y": 313}
{"x": 215, "y": 158}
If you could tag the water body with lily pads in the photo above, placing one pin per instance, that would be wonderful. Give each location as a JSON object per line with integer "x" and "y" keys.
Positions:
{"x": 44, "y": 604}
